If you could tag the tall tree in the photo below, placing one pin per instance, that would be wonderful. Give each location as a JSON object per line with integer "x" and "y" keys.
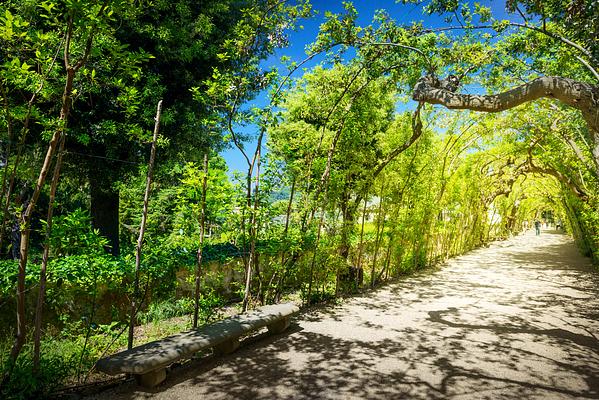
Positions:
{"x": 83, "y": 22}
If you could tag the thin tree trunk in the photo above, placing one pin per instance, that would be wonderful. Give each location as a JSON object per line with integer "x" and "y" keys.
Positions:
{"x": 65, "y": 109}
{"x": 289, "y": 207}
{"x": 11, "y": 181}
{"x": 142, "y": 227}
{"x": 9, "y": 129}
{"x": 42, "y": 286}
{"x": 387, "y": 261}
{"x": 313, "y": 262}
{"x": 253, "y": 233}
{"x": 88, "y": 330}
{"x": 360, "y": 248}
{"x": 379, "y": 231}
{"x": 244, "y": 211}
{"x": 26, "y": 218}
{"x": 196, "y": 308}
{"x": 13, "y": 174}
{"x": 285, "y": 231}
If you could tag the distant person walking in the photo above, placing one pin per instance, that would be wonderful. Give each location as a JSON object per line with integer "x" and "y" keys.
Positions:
{"x": 537, "y": 227}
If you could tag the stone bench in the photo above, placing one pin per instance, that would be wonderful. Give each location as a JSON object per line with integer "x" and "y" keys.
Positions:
{"x": 148, "y": 362}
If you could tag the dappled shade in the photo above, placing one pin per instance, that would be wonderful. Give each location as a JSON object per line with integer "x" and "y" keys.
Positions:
{"x": 515, "y": 320}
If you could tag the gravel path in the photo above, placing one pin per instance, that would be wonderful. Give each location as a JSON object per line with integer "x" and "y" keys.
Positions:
{"x": 519, "y": 319}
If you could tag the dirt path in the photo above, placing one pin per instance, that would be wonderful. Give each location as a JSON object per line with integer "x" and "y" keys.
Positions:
{"x": 518, "y": 320}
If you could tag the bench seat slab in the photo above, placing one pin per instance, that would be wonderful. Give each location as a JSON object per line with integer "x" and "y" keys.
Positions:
{"x": 159, "y": 354}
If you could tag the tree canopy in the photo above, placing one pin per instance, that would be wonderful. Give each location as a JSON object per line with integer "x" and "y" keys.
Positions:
{"x": 387, "y": 148}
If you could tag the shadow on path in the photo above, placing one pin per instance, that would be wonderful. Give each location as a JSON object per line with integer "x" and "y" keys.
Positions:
{"x": 515, "y": 320}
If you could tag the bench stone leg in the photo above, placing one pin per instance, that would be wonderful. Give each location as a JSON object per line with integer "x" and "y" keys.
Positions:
{"x": 152, "y": 378}
{"x": 279, "y": 326}
{"x": 227, "y": 347}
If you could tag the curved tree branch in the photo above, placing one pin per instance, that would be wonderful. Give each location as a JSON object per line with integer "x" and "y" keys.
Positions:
{"x": 576, "y": 190}
{"x": 416, "y": 133}
{"x": 580, "y": 95}
{"x": 529, "y": 166}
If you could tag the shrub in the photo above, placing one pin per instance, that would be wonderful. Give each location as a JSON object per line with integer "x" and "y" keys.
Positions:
{"x": 25, "y": 383}
{"x": 72, "y": 234}
{"x": 171, "y": 308}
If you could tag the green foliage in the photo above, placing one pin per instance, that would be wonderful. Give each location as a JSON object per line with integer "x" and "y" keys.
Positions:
{"x": 80, "y": 273}
{"x": 170, "y": 308}
{"x": 219, "y": 201}
{"x": 26, "y": 383}
{"x": 579, "y": 19}
{"x": 72, "y": 234}
{"x": 159, "y": 267}
{"x": 342, "y": 141}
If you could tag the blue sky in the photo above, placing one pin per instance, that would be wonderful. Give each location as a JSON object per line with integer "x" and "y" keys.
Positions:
{"x": 299, "y": 39}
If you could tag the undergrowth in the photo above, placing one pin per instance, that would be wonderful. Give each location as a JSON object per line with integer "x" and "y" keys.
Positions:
{"x": 68, "y": 356}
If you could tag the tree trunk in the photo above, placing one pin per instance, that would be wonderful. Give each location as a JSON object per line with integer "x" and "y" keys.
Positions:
{"x": 253, "y": 231}
{"x": 63, "y": 118}
{"x": 348, "y": 215}
{"x": 380, "y": 229}
{"x": 196, "y": 309}
{"x": 387, "y": 262}
{"x": 105, "y": 208}
{"x": 20, "y": 335}
{"x": 37, "y": 334}
{"x": 361, "y": 245}
{"x": 142, "y": 227}
{"x": 315, "y": 253}
{"x": 5, "y": 159}
{"x": 7, "y": 193}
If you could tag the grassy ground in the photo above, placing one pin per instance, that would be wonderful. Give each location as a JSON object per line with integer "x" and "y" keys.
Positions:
{"x": 68, "y": 356}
